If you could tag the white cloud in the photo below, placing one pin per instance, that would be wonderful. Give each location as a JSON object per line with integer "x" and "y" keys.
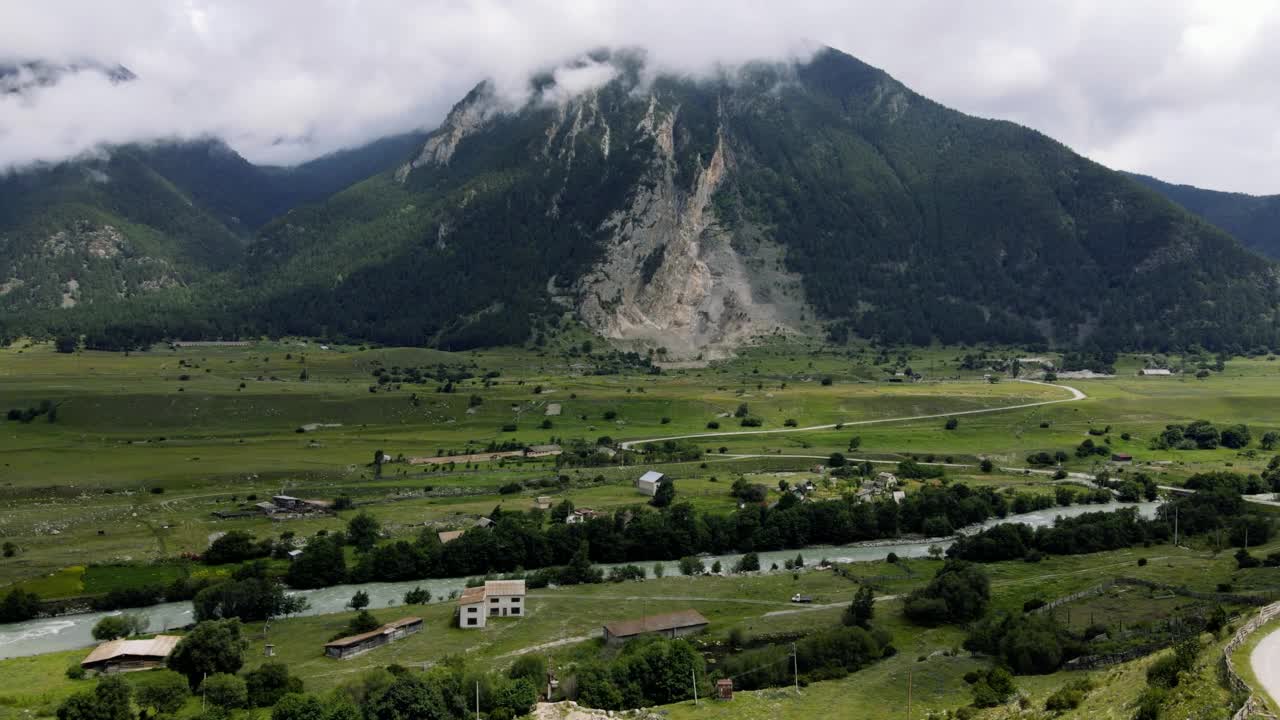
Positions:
{"x": 1186, "y": 90}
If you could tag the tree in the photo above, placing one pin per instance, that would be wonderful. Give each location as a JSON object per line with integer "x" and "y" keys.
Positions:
{"x": 562, "y": 510}
{"x": 749, "y": 562}
{"x": 417, "y": 596}
{"x": 691, "y": 565}
{"x": 960, "y": 591}
{"x": 1236, "y": 437}
{"x": 19, "y": 605}
{"x": 986, "y": 465}
{"x": 321, "y": 564}
{"x": 531, "y": 667}
{"x": 109, "y": 700}
{"x": 580, "y": 571}
{"x": 862, "y": 608}
{"x": 1270, "y": 440}
{"x": 11, "y": 549}
{"x": 952, "y": 423}
{"x": 296, "y": 706}
{"x": 363, "y": 622}
{"x": 119, "y": 626}
{"x": 253, "y": 598}
{"x": 363, "y": 531}
{"x": 855, "y": 442}
{"x": 836, "y": 460}
{"x": 165, "y": 691}
{"x": 225, "y": 690}
{"x": 66, "y": 343}
{"x": 214, "y": 646}
{"x": 269, "y": 682}
{"x": 664, "y": 495}
{"x": 359, "y": 601}
{"x": 409, "y": 697}
{"x": 232, "y": 547}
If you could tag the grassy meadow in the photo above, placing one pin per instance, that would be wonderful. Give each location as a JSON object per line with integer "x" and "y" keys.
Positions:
{"x": 146, "y": 447}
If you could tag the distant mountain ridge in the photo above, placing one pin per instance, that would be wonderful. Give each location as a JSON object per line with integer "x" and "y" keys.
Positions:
{"x": 692, "y": 215}
{"x": 137, "y": 220}
{"x": 1252, "y": 219}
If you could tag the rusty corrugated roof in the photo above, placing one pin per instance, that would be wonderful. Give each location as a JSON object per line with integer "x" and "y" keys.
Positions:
{"x": 656, "y": 623}
{"x": 158, "y": 647}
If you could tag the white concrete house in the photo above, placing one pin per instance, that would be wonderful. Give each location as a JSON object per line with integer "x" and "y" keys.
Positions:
{"x": 648, "y": 482}
{"x": 496, "y": 598}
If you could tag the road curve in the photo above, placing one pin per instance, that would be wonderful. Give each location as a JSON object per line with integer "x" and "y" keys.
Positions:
{"x": 1265, "y": 660}
{"x": 1075, "y": 395}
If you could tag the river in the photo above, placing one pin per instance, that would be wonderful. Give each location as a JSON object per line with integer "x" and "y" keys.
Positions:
{"x": 69, "y": 632}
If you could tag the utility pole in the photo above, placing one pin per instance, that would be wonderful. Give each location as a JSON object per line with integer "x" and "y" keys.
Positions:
{"x": 1175, "y": 524}
{"x": 795, "y": 666}
{"x": 694, "y": 674}
{"x": 910, "y": 675}
{"x": 477, "y": 700}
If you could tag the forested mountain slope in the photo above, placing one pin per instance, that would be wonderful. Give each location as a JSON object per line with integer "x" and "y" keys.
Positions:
{"x": 693, "y": 214}
{"x": 141, "y": 219}
{"x": 698, "y": 214}
{"x": 1253, "y": 219}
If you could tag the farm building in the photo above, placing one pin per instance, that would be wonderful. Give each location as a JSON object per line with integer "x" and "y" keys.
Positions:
{"x": 496, "y": 598}
{"x": 1121, "y": 457}
{"x": 542, "y": 502}
{"x": 676, "y": 624}
{"x": 580, "y": 515}
{"x": 724, "y": 689}
{"x": 648, "y": 482}
{"x": 484, "y": 522}
{"x": 290, "y": 504}
{"x": 1156, "y": 371}
{"x": 448, "y": 536}
{"x": 353, "y": 645}
{"x": 129, "y": 655}
{"x": 534, "y": 451}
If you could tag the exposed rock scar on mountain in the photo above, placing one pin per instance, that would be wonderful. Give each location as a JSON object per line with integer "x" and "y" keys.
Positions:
{"x": 671, "y": 275}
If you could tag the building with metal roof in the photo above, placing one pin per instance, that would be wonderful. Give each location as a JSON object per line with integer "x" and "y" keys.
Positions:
{"x": 675, "y": 624}
{"x": 129, "y": 655}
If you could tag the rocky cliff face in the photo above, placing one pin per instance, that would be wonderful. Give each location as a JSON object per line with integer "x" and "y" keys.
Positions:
{"x": 671, "y": 275}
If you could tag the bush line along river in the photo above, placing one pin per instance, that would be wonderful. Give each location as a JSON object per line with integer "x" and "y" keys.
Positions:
{"x": 69, "y": 632}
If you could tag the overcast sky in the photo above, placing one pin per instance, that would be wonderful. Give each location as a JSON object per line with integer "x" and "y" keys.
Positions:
{"x": 1187, "y": 91}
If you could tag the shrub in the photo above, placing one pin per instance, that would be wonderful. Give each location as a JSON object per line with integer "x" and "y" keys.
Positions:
{"x": 713, "y": 425}
{"x": 749, "y": 562}
{"x": 1069, "y": 696}
{"x": 225, "y": 690}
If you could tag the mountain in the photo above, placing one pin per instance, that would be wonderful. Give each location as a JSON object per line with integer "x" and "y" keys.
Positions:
{"x": 23, "y": 76}
{"x": 139, "y": 220}
{"x": 696, "y": 214}
{"x": 1253, "y": 219}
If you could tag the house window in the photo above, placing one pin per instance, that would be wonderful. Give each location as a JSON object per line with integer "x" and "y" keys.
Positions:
{"x": 493, "y": 612}
{"x": 515, "y": 601}
{"x": 473, "y": 610}
{"x": 471, "y": 621}
{"x": 493, "y": 600}
{"x": 515, "y": 611}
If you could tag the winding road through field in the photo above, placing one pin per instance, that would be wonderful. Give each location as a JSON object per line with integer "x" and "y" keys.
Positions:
{"x": 1075, "y": 395}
